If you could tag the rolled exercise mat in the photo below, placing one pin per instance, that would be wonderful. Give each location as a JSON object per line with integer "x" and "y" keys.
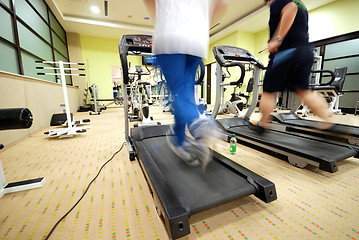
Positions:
{"x": 15, "y": 118}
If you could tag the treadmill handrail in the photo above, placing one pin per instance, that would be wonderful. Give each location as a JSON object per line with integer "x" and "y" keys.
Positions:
{"x": 241, "y": 77}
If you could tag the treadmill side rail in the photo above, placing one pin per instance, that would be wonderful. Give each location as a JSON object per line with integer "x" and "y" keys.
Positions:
{"x": 328, "y": 166}
{"x": 131, "y": 151}
{"x": 168, "y": 205}
{"x": 299, "y": 150}
{"x": 265, "y": 189}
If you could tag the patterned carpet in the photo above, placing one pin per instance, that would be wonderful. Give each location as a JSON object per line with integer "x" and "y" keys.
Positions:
{"x": 312, "y": 204}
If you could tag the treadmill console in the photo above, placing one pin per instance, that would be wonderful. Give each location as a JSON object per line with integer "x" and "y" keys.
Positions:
{"x": 227, "y": 54}
{"x": 133, "y": 45}
{"x": 136, "y": 43}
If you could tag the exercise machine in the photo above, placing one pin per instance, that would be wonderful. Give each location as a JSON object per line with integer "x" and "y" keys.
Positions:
{"x": 96, "y": 107}
{"x": 299, "y": 150}
{"x": 16, "y": 118}
{"x": 60, "y": 119}
{"x": 140, "y": 95}
{"x": 180, "y": 191}
{"x": 291, "y": 122}
{"x": 235, "y": 104}
{"x": 247, "y": 93}
{"x": 331, "y": 91}
{"x": 71, "y": 129}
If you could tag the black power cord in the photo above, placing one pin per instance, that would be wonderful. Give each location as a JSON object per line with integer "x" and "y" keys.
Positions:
{"x": 88, "y": 186}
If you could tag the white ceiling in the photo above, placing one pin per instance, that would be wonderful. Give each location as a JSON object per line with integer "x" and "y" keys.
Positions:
{"x": 128, "y": 17}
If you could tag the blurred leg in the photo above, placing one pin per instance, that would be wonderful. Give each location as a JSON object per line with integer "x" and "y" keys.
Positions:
{"x": 266, "y": 107}
{"x": 175, "y": 69}
{"x": 316, "y": 103}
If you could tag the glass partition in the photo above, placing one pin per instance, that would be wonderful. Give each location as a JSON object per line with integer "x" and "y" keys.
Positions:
{"x": 10, "y": 63}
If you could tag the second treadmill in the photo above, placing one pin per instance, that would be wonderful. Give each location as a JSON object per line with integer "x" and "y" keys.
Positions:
{"x": 300, "y": 150}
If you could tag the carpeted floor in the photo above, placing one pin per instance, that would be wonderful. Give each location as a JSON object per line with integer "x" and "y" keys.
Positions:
{"x": 311, "y": 204}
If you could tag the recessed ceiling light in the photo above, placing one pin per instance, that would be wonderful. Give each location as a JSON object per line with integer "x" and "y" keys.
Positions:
{"x": 95, "y": 9}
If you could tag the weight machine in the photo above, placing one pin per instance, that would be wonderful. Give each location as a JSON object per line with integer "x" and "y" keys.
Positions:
{"x": 16, "y": 118}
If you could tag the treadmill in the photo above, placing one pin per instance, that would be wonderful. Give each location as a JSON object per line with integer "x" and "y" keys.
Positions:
{"x": 300, "y": 151}
{"x": 291, "y": 122}
{"x": 180, "y": 191}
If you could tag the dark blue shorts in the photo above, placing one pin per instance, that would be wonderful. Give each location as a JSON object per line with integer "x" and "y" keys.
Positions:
{"x": 289, "y": 69}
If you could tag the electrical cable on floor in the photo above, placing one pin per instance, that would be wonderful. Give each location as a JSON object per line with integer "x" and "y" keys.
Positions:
{"x": 88, "y": 186}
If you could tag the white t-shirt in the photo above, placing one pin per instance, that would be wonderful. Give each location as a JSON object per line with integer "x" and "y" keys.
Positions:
{"x": 182, "y": 26}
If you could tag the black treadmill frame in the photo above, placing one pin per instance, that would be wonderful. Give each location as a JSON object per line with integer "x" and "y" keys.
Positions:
{"x": 293, "y": 123}
{"x": 228, "y": 56}
{"x": 170, "y": 209}
{"x": 168, "y": 204}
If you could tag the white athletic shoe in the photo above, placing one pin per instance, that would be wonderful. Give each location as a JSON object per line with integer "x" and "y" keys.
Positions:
{"x": 205, "y": 131}
{"x": 202, "y": 154}
{"x": 184, "y": 151}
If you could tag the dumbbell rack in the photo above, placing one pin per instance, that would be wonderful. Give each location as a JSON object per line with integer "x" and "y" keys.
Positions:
{"x": 71, "y": 129}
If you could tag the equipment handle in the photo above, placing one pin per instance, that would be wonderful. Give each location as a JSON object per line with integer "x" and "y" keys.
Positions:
{"x": 15, "y": 118}
{"x": 243, "y": 72}
{"x": 123, "y": 58}
{"x": 201, "y": 76}
{"x": 326, "y": 71}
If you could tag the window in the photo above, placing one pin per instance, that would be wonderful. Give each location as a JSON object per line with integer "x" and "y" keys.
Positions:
{"x": 342, "y": 51}
{"x": 29, "y": 32}
{"x": 6, "y": 2}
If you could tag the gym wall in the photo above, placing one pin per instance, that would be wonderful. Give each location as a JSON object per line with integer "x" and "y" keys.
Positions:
{"x": 101, "y": 54}
{"x": 41, "y": 37}
{"x": 75, "y": 54}
{"x": 43, "y": 98}
{"x": 334, "y": 19}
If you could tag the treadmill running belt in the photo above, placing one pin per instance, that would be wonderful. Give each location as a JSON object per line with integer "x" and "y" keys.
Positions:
{"x": 196, "y": 189}
{"x": 342, "y": 129}
{"x": 304, "y": 147}
{"x": 180, "y": 191}
{"x": 294, "y": 120}
{"x": 323, "y": 154}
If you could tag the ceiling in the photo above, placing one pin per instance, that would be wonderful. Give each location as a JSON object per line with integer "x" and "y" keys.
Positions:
{"x": 128, "y": 17}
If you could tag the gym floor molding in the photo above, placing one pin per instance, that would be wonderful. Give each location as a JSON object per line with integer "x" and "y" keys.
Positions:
{"x": 312, "y": 204}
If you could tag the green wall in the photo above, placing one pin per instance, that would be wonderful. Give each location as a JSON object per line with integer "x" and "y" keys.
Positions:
{"x": 230, "y": 40}
{"x": 334, "y": 19}
{"x": 100, "y": 54}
